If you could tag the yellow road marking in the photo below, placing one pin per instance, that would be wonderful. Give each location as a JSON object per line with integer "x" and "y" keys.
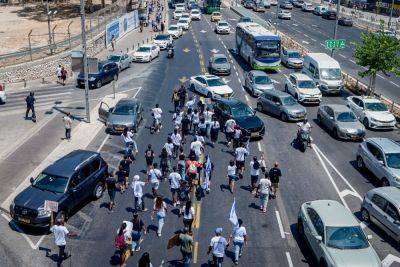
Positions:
{"x": 203, "y": 70}
{"x": 195, "y": 252}
{"x": 197, "y": 216}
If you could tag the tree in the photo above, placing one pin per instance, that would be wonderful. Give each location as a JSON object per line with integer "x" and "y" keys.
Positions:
{"x": 377, "y": 52}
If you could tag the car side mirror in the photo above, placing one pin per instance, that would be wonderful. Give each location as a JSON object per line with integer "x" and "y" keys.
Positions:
{"x": 72, "y": 190}
{"x": 31, "y": 180}
{"x": 319, "y": 238}
{"x": 369, "y": 237}
{"x": 381, "y": 162}
{"x": 277, "y": 103}
{"x": 111, "y": 110}
{"x": 330, "y": 117}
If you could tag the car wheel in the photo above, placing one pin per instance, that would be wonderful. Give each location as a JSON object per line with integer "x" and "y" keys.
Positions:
{"x": 98, "y": 190}
{"x": 366, "y": 123}
{"x": 360, "y": 163}
{"x": 98, "y": 84}
{"x": 284, "y": 117}
{"x": 300, "y": 228}
{"x": 364, "y": 215}
{"x": 259, "y": 107}
{"x": 335, "y": 133}
{"x": 384, "y": 182}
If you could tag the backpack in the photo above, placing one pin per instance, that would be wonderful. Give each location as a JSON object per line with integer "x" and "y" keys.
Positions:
{"x": 256, "y": 165}
{"x": 192, "y": 169}
{"x": 119, "y": 241}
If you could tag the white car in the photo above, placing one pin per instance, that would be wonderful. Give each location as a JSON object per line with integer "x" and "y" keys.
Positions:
{"x": 195, "y": 14}
{"x": 178, "y": 14}
{"x": 371, "y": 112}
{"x": 146, "y": 53}
{"x": 180, "y": 7}
{"x": 163, "y": 40}
{"x": 123, "y": 60}
{"x": 186, "y": 16}
{"x": 284, "y": 14}
{"x": 307, "y": 7}
{"x": 175, "y": 31}
{"x": 3, "y": 97}
{"x": 184, "y": 23}
{"x": 222, "y": 27}
{"x": 303, "y": 88}
{"x": 210, "y": 85}
{"x": 273, "y": 2}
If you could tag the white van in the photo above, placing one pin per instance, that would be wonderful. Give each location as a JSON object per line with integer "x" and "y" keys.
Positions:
{"x": 325, "y": 71}
{"x": 319, "y": 10}
{"x": 180, "y": 7}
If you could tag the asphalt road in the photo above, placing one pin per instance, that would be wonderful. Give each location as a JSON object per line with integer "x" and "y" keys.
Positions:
{"x": 273, "y": 238}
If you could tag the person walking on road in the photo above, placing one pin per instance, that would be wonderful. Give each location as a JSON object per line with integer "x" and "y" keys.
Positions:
{"x": 111, "y": 186}
{"x": 214, "y": 130}
{"x": 263, "y": 192}
{"x": 154, "y": 176}
{"x": 195, "y": 120}
{"x": 162, "y": 26}
{"x": 120, "y": 242}
{"x": 174, "y": 182}
{"x": 229, "y": 130}
{"x": 186, "y": 247}
{"x": 60, "y": 233}
{"x": 182, "y": 96}
{"x": 275, "y": 175}
{"x": 30, "y": 106}
{"x": 255, "y": 166}
{"x": 144, "y": 261}
{"x": 189, "y": 215}
{"x": 240, "y": 155}
{"x": 138, "y": 227}
{"x": 175, "y": 99}
{"x": 137, "y": 187}
{"x": 149, "y": 156}
{"x": 176, "y": 141}
{"x": 127, "y": 137}
{"x": 164, "y": 163}
{"x": 218, "y": 246}
{"x": 159, "y": 209}
{"x": 63, "y": 75}
{"x": 239, "y": 237}
{"x": 113, "y": 43}
{"x": 232, "y": 176}
{"x": 58, "y": 72}
{"x": 126, "y": 166}
{"x": 67, "y": 119}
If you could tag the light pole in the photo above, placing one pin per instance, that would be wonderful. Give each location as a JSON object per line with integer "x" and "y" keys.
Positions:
{"x": 336, "y": 24}
{"x": 276, "y": 18}
{"x": 85, "y": 61}
{"x": 49, "y": 14}
{"x": 391, "y": 14}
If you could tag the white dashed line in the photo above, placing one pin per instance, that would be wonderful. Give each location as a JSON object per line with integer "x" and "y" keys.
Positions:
{"x": 247, "y": 98}
{"x": 305, "y": 42}
{"x": 239, "y": 80}
{"x": 285, "y": 75}
{"x": 380, "y": 76}
{"x": 237, "y": 74}
{"x": 259, "y": 146}
{"x": 306, "y": 35}
{"x": 395, "y": 84}
{"x": 342, "y": 56}
{"x": 278, "y": 218}
{"x": 289, "y": 259}
{"x": 352, "y": 61}
{"x": 313, "y": 25}
{"x": 234, "y": 67}
{"x": 312, "y": 39}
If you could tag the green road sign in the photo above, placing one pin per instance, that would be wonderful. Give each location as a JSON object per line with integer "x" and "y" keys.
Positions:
{"x": 335, "y": 44}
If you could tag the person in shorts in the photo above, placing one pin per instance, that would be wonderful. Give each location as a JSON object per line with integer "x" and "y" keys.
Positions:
{"x": 111, "y": 186}
{"x": 149, "y": 155}
{"x": 240, "y": 155}
{"x": 275, "y": 174}
{"x": 229, "y": 130}
{"x": 255, "y": 166}
{"x": 154, "y": 176}
{"x": 232, "y": 177}
{"x": 121, "y": 177}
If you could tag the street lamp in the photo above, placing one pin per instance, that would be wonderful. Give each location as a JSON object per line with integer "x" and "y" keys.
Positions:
{"x": 49, "y": 15}
{"x": 85, "y": 61}
{"x": 276, "y": 18}
{"x": 391, "y": 15}
{"x": 336, "y": 23}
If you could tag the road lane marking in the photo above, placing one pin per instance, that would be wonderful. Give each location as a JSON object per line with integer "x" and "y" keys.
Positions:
{"x": 103, "y": 143}
{"x": 341, "y": 55}
{"x": 234, "y": 67}
{"x": 198, "y": 212}
{"x": 289, "y": 259}
{"x": 195, "y": 251}
{"x": 380, "y": 76}
{"x": 278, "y": 218}
{"x": 259, "y": 146}
{"x": 305, "y": 42}
{"x": 389, "y": 260}
{"x": 313, "y": 39}
{"x": 306, "y": 35}
{"x": 247, "y": 98}
{"x": 395, "y": 84}
{"x": 352, "y": 61}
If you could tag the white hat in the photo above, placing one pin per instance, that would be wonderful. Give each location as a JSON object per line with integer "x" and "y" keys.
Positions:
{"x": 136, "y": 177}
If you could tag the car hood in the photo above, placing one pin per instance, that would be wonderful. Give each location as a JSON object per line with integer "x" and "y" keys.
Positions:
{"x": 141, "y": 54}
{"x": 172, "y": 31}
{"x": 221, "y": 90}
{"x": 249, "y": 122}
{"x": 121, "y": 119}
{"x": 263, "y": 87}
{"x": 81, "y": 75}
{"x": 381, "y": 115}
{"x": 314, "y": 91}
{"x": 223, "y": 66}
{"x": 222, "y": 27}
{"x": 160, "y": 41}
{"x": 295, "y": 60}
{"x": 356, "y": 125}
{"x": 33, "y": 197}
{"x": 296, "y": 109}
{"x": 355, "y": 257}
{"x": 333, "y": 82}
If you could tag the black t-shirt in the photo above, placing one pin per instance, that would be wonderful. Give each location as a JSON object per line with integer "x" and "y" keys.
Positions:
{"x": 185, "y": 124}
{"x": 121, "y": 175}
{"x": 275, "y": 174}
{"x": 137, "y": 225}
{"x": 149, "y": 154}
{"x": 111, "y": 183}
{"x": 125, "y": 164}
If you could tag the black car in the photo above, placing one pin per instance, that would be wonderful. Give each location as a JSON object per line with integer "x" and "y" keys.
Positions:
{"x": 345, "y": 21}
{"x": 330, "y": 14}
{"x": 243, "y": 115}
{"x": 107, "y": 71}
{"x": 68, "y": 181}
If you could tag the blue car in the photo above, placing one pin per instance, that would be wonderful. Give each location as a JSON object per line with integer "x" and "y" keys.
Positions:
{"x": 107, "y": 71}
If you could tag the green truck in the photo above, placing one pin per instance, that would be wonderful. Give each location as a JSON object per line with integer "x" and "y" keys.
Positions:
{"x": 212, "y": 5}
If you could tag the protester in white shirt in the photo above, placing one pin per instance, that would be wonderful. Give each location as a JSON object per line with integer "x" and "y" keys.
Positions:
{"x": 60, "y": 233}
{"x": 169, "y": 146}
{"x": 229, "y": 130}
{"x": 68, "y": 125}
{"x": 154, "y": 175}
{"x": 208, "y": 115}
{"x": 255, "y": 166}
{"x": 188, "y": 215}
{"x": 137, "y": 187}
{"x": 177, "y": 141}
{"x": 127, "y": 137}
{"x": 195, "y": 120}
{"x": 263, "y": 191}
{"x": 218, "y": 246}
{"x": 239, "y": 237}
{"x": 232, "y": 176}
{"x": 197, "y": 147}
{"x": 157, "y": 113}
{"x": 174, "y": 182}
{"x": 240, "y": 155}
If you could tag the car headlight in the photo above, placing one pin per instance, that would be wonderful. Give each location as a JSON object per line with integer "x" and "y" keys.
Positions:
{"x": 374, "y": 120}
{"x": 44, "y": 213}
{"x": 92, "y": 79}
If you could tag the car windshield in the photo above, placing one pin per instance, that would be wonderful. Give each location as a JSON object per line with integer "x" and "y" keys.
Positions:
{"x": 346, "y": 117}
{"x": 306, "y": 84}
{"x": 162, "y": 37}
{"x": 178, "y": 12}
{"x": 241, "y": 110}
{"x": 144, "y": 49}
{"x": 186, "y": 16}
{"x": 125, "y": 110}
{"x": 195, "y": 12}
{"x": 51, "y": 183}
{"x": 393, "y": 160}
{"x": 346, "y": 237}
{"x": 173, "y": 28}
{"x": 377, "y": 106}
{"x": 294, "y": 55}
{"x": 289, "y": 101}
{"x": 216, "y": 14}
{"x": 183, "y": 21}
{"x": 331, "y": 74}
{"x": 222, "y": 24}
{"x": 220, "y": 60}
{"x": 268, "y": 49}
{"x": 262, "y": 80}
{"x": 114, "y": 58}
{"x": 215, "y": 82}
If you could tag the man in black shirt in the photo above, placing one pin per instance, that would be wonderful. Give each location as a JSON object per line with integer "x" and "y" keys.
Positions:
{"x": 149, "y": 155}
{"x": 111, "y": 186}
{"x": 30, "y": 105}
{"x": 275, "y": 174}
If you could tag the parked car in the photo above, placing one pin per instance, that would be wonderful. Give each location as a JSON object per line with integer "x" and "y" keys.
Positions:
{"x": 319, "y": 10}
{"x": 257, "y": 82}
{"x": 372, "y": 112}
{"x": 175, "y": 31}
{"x": 291, "y": 58}
{"x": 297, "y": 3}
{"x": 303, "y": 88}
{"x": 245, "y": 19}
{"x": 341, "y": 122}
{"x": 180, "y": 7}
{"x": 259, "y": 7}
{"x": 334, "y": 235}
{"x": 3, "y": 96}
{"x": 69, "y": 181}
{"x": 222, "y": 27}
{"x": 284, "y": 14}
{"x": 146, "y": 53}
{"x": 307, "y": 7}
{"x": 266, "y": 3}
{"x": 123, "y": 60}
{"x": 195, "y": 14}
{"x": 177, "y": 14}
{"x": 381, "y": 207}
{"x": 215, "y": 16}
{"x": 382, "y": 157}
{"x": 210, "y": 85}
{"x": 345, "y": 21}
{"x": 329, "y": 14}
{"x": 286, "y": 5}
{"x": 281, "y": 104}
{"x": 248, "y": 4}
{"x": 390, "y": 33}
{"x": 127, "y": 113}
{"x": 163, "y": 40}
{"x": 243, "y": 115}
{"x": 274, "y": 2}
{"x": 107, "y": 71}
{"x": 219, "y": 64}
{"x": 184, "y": 23}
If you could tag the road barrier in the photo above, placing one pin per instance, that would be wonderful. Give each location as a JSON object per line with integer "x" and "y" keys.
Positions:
{"x": 353, "y": 84}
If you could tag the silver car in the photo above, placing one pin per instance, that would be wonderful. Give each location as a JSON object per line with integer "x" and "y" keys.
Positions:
{"x": 257, "y": 81}
{"x": 281, "y": 104}
{"x": 127, "y": 112}
{"x": 334, "y": 235}
{"x": 219, "y": 65}
{"x": 341, "y": 122}
{"x": 381, "y": 207}
{"x": 123, "y": 60}
{"x": 291, "y": 58}
{"x": 382, "y": 157}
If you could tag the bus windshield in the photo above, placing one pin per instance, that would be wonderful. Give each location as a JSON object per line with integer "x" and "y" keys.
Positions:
{"x": 268, "y": 49}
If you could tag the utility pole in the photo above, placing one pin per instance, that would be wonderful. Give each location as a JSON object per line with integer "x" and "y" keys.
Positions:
{"x": 391, "y": 15}
{"x": 85, "y": 61}
{"x": 336, "y": 23}
{"x": 276, "y": 18}
{"x": 48, "y": 26}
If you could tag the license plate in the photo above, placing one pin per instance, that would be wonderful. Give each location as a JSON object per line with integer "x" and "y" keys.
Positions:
{"x": 226, "y": 95}
{"x": 119, "y": 128}
{"x": 255, "y": 134}
{"x": 24, "y": 220}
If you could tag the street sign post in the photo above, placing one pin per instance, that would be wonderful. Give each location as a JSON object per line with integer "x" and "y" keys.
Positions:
{"x": 335, "y": 44}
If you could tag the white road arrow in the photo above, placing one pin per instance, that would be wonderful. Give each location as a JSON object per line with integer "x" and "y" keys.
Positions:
{"x": 233, "y": 19}
{"x": 295, "y": 24}
{"x": 214, "y": 51}
{"x": 389, "y": 260}
{"x": 203, "y": 31}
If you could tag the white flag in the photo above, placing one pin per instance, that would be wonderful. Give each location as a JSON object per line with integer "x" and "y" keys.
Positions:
{"x": 232, "y": 216}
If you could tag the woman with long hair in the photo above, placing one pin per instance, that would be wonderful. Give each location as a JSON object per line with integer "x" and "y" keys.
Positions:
{"x": 159, "y": 209}
{"x": 188, "y": 215}
{"x": 144, "y": 261}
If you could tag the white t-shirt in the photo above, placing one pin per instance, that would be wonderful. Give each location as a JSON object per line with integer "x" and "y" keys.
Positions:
{"x": 154, "y": 174}
{"x": 176, "y": 139}
{"x": 264, "y": 186}
{"x": 67, "y": 122}
{"x": 208, "y": 116}
{"x": 202, "y": 125}
{"x": 237, "y": 133}
{"x": 215, "y": 125}
{"x": 174, "y": 179}
{"x": 128, "y": 137}
{"x": 232, "y": 170}
{"x": 239, "y": 233}
{"x": 218, "y": 244}
{"x": 190, "y": 215}
{"x": 195, "y": 118}
{"x": 59, "y": 232}
{"x": 305, "y": 127}
{"x": 196, "y": 146}
{"x": 190, "y": 103}
{"x": 157, "y": 113}
{"x": 177, "y": 118}
{"x": 240, "y": 153}
{"x": 169, "y": 147}
{"x": 254, "y": 172}
{"x": 137, "y": 187}
{"x": 230, "y": 126}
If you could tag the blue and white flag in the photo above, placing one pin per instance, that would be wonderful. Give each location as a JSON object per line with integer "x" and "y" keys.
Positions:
{"x": 232, "y": 215}
{"x": 206, "y": 183}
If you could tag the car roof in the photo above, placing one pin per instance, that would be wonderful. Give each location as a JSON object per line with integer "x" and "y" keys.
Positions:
{"x": 390, "y": 193}
{"x": 277, "y": 93}
{"x": 337, "y": 107}
{"x": 368, "y": 99}
{"x": 147, "y": 45}
{"x": 301, "y": 76}
{"x": 67, "y": 165}
{"x": 219, "y": 55}
{"x": 332, "y": 213}
{"x": 127, "y": 101}
{"x": 208, "y": 76}
{"x": 386, "y": 144}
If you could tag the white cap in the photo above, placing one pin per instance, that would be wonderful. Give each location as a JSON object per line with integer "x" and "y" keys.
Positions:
{"x": 136, "y": 177}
